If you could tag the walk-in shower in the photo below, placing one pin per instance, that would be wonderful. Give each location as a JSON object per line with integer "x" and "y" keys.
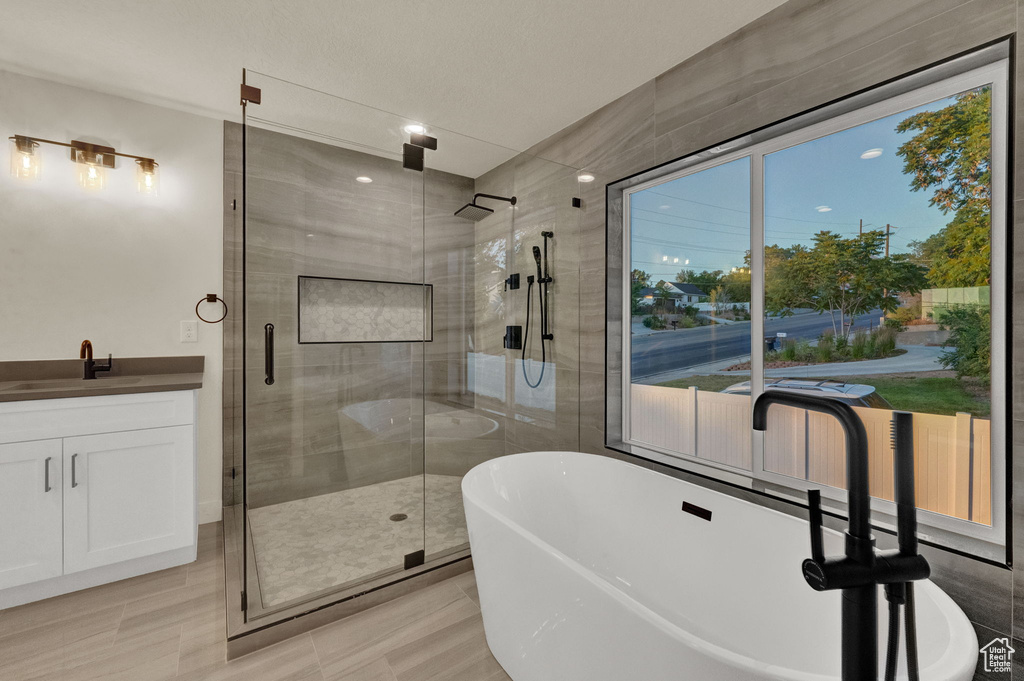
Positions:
{"x": 365, "y": 371}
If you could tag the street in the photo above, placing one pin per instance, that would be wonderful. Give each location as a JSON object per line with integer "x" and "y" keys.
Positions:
{"x": 668, "y": 351}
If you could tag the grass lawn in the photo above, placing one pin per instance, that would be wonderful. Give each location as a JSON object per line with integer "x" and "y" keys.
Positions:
{"x": 926, "y": 394}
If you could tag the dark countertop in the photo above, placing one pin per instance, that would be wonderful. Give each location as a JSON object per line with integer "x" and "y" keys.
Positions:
{"x": 59, "y": 378}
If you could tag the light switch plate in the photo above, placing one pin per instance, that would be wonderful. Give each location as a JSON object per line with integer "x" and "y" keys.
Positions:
{"x": 189, "y": 332}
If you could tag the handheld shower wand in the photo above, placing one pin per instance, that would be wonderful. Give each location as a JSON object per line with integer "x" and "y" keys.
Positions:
{"x": 543, "y": 278}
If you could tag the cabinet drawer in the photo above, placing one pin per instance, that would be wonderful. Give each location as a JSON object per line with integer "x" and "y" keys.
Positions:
{"x": 44, "y": 419}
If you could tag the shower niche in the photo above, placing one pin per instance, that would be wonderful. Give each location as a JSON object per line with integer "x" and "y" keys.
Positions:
{"x": 357, "y": 311}
{"x": 384, "y": 378}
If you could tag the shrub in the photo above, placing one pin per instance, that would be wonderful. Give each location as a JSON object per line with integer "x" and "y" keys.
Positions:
{"x": 859, "y": 344}
{"x": 687, "y": 322}
{"x": 885, "y": 341}
{"x": 970, "y": 337}
{"x": 654, "y": 322}
{"x": 826, "y": 346}
{"x": 789, "y": 350}
{"x": 841, "y": 344}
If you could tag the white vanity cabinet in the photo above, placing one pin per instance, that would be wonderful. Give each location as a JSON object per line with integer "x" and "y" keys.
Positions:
{"x": 31, "y": 512}
{"x": 94, "y": 489}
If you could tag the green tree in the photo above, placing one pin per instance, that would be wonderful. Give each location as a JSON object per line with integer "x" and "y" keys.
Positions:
{"x": 639, "y": 280}
{"x": 705, "y": 280}
{"x": 736, "y": 284}
{"x": 844, "y": 277}
{"x": 951, "y": 156}
{"x": 970, "y": 339}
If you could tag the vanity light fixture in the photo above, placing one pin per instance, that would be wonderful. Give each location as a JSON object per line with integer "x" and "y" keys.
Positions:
{"x": 26, "y": 161}
{"x": 93, "y": 160}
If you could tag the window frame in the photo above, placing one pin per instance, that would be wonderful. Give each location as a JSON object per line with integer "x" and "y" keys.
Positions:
{"x": 989, "y": 66}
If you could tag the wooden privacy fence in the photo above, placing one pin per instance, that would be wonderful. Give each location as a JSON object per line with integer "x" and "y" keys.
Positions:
{"x": 952, "y": 454}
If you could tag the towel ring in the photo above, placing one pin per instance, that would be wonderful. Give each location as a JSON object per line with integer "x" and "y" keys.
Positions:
{"x": 212, "y": 298}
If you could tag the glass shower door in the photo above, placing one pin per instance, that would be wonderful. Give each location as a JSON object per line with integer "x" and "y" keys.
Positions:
{"x": 336, "y": 318}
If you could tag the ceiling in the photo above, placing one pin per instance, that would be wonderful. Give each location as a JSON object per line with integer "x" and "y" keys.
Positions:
{"x": 511, "y": 71}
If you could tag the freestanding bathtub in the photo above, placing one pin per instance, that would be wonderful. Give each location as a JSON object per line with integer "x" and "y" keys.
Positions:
{"x": 589, "y": 570}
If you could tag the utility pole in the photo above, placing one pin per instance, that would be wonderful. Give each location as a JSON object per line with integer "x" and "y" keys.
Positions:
{"x": 887, "y": 240}
{"x": 862, "y": 226}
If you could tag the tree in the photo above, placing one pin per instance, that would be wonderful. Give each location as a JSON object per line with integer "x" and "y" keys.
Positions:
{"x": 721, "y": 300}
{"x": 736, "y": 284}
{"x": 840, "y": 276}
{"x": 704, "y": 280}
{"x": 664, "y": 300}
{"x": 639, "y": 280}
{"x": 970, "y": 339}
{"x": 951, "y": 155}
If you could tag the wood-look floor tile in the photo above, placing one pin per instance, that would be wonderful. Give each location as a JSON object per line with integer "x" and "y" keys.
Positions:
{"x": 152, "y": 656}
{"x": 171, "y": 607}
{"x": 47, "y": 648}
{"x": 467, "y": 582}
{"x": 359, "y": 640}
{"x": 378, "y": 670}
{"x": 60, "y": 608}
{"x": 457, "y": 652}
{"x": 291, "y": 660}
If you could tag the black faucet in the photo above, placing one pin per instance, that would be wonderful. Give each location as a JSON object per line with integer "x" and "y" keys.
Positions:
{"x": 861, "y": 570}
{"x": 92, "y": 367}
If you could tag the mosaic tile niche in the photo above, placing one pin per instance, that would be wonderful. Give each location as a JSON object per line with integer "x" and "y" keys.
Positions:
{"x": 357, "y": 311}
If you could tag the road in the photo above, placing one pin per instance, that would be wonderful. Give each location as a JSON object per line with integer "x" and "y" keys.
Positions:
{"x": 673, "y": 350}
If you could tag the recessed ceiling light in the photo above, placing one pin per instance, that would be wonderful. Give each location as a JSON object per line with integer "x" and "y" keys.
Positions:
{"x": 675, "y": 259}
{"x": 585, "y": 177}
{"x": 822, "y": 209}
{"x": 414, "y": 129}
{"x": 664, "y": 207}
{"x": 664, "y": 258}
{"x": 309, "y": 235}
{"x": 687, "y": 262}
{"x": 872, "y": 153}
{"x": 364, "y": 179}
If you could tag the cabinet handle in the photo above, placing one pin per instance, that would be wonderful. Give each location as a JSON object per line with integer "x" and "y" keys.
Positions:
{"x": 46, "y": 479}
{"x": 74, "y": 479}
{"x": 268, "y": 350}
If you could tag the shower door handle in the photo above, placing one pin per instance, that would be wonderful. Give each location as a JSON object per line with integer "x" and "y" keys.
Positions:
{"x": 268, "y": 349}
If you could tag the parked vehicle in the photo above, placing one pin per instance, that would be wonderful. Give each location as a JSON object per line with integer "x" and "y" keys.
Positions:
{"x": 853, "y": 394}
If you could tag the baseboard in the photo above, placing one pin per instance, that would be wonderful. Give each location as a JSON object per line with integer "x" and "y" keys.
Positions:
{"x": 209, "y": 512}
{"x": 76, "y": 581}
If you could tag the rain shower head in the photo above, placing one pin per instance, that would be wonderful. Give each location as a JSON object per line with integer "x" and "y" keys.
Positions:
{"x": 471, "y": 211}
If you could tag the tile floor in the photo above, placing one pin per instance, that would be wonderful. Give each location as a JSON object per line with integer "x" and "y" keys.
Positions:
{"x": 311, "y": 545}
{"x": 170, "y": 625}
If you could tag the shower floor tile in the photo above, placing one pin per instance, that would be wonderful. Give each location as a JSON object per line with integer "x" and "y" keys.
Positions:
{"x": 311, "y": 545}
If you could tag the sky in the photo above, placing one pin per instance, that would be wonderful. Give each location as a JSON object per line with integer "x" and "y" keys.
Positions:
{"x": 704, "y": 218}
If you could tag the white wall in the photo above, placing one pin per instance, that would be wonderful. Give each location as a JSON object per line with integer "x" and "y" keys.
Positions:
{"x": 116, "y": 267}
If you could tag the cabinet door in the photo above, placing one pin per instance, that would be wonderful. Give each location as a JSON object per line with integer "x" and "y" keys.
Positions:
{"x": 31, "y": 543}
{"x": 127, "y": 495}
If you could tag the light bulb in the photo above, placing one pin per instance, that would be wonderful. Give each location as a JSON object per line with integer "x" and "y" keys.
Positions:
{"x": 147, "y": 175}
{"x": 92, "y": 177}
{"x": 26, "y": 160}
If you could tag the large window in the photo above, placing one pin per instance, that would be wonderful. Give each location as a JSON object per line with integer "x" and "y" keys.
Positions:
{"x": 858, "y": 254}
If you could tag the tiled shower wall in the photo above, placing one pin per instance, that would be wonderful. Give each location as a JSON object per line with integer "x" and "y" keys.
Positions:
{"x": 801, "y": 55}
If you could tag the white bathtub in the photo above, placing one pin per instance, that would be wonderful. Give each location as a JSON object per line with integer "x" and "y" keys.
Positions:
{"x": 588, "y": 569}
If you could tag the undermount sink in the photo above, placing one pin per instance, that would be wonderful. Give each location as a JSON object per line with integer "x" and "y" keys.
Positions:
{"x": 70, "y": 383}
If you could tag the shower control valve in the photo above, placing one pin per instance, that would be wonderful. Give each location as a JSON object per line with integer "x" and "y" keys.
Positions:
{"x": 512, "y": 282}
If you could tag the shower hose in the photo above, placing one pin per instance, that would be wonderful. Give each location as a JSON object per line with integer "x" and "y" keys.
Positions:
{"x": 526, "y": 332}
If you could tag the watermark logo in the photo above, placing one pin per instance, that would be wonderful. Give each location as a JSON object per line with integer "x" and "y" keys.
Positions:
{"x": 998, "y": 655}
